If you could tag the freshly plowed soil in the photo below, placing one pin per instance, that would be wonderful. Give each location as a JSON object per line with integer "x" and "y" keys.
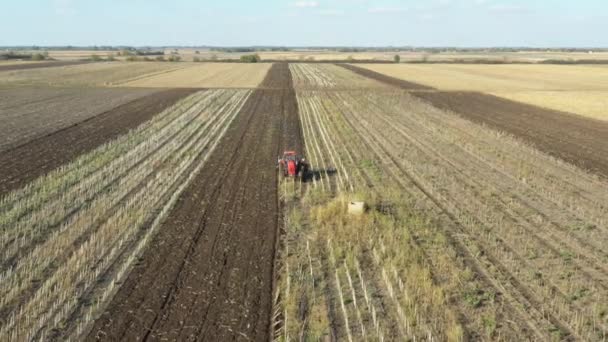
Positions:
{"x": 23, "y": 164}
{"x": 384, "y": 78}
{"x": 39, "y": 65}
{"x": 208, "y": 274}
{"x": 575, "y": 139}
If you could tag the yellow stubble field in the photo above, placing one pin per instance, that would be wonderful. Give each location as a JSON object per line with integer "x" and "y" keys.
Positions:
{"x": 579, "y": 89}
{"x": 217, "y": 75}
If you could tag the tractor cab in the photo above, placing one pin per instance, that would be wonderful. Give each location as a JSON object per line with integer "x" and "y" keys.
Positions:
{"x": 292, "y": 165}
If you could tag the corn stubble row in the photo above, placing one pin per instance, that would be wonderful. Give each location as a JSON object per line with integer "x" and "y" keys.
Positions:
{"x": 471, "y": 213}
{"x": 69, "y": 236}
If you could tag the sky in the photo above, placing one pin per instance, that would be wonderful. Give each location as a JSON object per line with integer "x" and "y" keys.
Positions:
{"x": 459, "y": 23}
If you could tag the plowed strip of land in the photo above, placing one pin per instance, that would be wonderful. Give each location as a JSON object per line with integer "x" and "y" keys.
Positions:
{"x": 209, "y": 272}
{"x": 32, "y": 112}
{"x": 575, "y": 139}
{"x": 384, "y": 78}
{"x": 27, "y": 162}
{"x": 39, "y": 65}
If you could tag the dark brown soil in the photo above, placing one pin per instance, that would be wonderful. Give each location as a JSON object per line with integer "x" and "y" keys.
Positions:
{"x": 40, "y": 65}
{"x": 385, "y": 78}
{"x": 576, "y": 139}
{"x": 27, "y": 113}
{"x": 23, "y": 164}
{"x": 208, "y": 274}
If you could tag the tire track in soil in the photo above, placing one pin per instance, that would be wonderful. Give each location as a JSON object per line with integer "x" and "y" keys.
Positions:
{"x": 209, "y": 273}
{"x": 25, "y": 163}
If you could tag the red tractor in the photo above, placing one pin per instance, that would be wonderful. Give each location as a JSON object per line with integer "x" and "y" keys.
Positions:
{"x": 293, "y": 165}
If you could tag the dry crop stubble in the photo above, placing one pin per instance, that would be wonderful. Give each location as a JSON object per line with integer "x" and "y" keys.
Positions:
{"x": 86, "y": 75}
{"x": 218, "y": 284}
{"x": 344, "y": 299}
{"x": 208, "y": 75}
{"x": 328, "y": 76}
{"x": 483, "y": 198}
{"x": 55, "y": 255}
{"x": 578, "y": 89}
{"x": 518, "y": 227}
{"x": 28, "y": 113}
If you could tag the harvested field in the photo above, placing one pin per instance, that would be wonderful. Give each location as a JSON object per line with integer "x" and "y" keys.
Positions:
{"x": 575, "y": 139}
{"x": 164, "y": 217}
{"x": 80, "y": 131}
{"x": 29, "y": 113}
{"x": 208, "y": 75}
{"x": 493, "y": 78}
{"x": 217, "y": 285}
{"x": 503, "y": 242}
{"x": 86, "y": 75}
{"x": 329, "y": 76}
{"x": 400, "y": 83}
{"x": 572, "y": 138}
{"x": 578, "y": 89}
{"x": 589, "y": 103}
{"x": 36, "y": 65}
{"x": 69, "y": 237}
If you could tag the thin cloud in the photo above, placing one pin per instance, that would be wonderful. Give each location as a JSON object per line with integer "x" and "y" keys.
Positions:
{"x": 509, "y": 9}
{"x": 306, "y": 4}
{"x": 331, "y": 12}
{"x": 382, "y": 10}
{"x": 64, "y": 7}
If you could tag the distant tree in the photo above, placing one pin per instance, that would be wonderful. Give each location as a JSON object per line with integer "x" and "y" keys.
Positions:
{"x": 255, "y": 58}
{"x": 38, "y": 57}
{"x": 174, "y": 58}
{"x": 397, "y": 58}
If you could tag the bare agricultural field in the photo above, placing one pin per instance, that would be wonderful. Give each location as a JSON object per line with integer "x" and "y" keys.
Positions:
{"x": 208, "y": 75}
{"x": 18, "y": 62}
{"x": 86, "y": 75}
{"x": 28, "y": 113}
{"x": 577, "y": 89}
{"x": 70, "y": 55}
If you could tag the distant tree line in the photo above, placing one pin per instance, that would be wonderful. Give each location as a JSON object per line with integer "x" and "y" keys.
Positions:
{"x": 38, "y": 56}
{"x": 248, "y": 49}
